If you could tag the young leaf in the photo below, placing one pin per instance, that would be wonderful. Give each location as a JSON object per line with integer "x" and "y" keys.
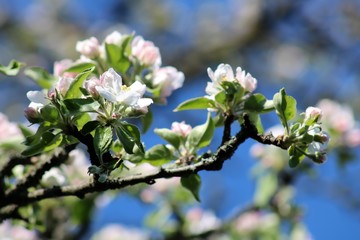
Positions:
{"x": 74, "y": 89}
{"x": 47, "y": 143}
{"x": 76, "y": 105}
{"x": 169, "y": 136}
{"x": 102, "y": 140}
{"x": 195, "y": 103}
{"x": 256, "y": 121}
{"x": 201, "y": 135}
{"x": 79, "y": 67}
{"x": 146, "y": 121}
{"x": 12, "y": 69}
{"x": 265, "y": 189}
{"x": 50, "y": 113}
{"x": 40, "y": 76}
{"x": 285, "y": 107}
{"x": 129, "y": 135}
{"x": 158, "y": 155}
{"x": 89, "y": 127}
{"x": 192, "y": 183}
{"x": 116, "y": 56}
{"x": 258, "y": 103}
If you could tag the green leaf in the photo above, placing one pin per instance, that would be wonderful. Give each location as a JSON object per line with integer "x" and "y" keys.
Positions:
{"x": 50, "y": 113}
{"x": 296, "y": 156}
{"x": 43, "y": 128}
{"x": 285, "y": 106}
{"x": 47, "y": 143}
{"x": 258, "y": 103}
{"x": 116, "y": 57}
{"x": 12, "y": 69}
{"x": 74, "y": 89}
{"x": 158, "y": 155}
{"x": 265, "y": 189}
{"x": 195, "y": 103}
{"x": 256, "y": 121}
{"x": 89, "y": 127}
{"x": 80, "y": 67}
{"x": 40, "y": 76}
{"x": 129, "y": 135}
{"x": 169, "y": 136}
{"x": 81, "y": 119}
{"x": 103, "y": 138}
{"x": 77, "y": 105}
{"x": 146, "y": 121}
{"x": 201, "y": 135}
{"x": 192, "y": 183}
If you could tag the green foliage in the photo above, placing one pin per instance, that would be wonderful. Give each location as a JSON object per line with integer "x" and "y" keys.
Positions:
{"x": 12, "y": 69}
{"x": 258, "y": 103}
{"x": 192, "y": 183}
{"x": 117, "y": 56}
{"x": 103, "y": 138}
{"x": 40, "y": 76}
{"x": 159, "y": 155}
{"x": 74, "y": 89}
{"x": 195, "y": 103}
{"x": 169, "y": 136}
{"x": 201, "y": 136}
{"x": 129, "y": 135}
{"x": 285, "y": 107}
{"x": 47, "y": 142}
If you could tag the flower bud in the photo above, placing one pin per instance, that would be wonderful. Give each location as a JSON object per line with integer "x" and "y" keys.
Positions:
{"x": 32, "y": 115}
{"x": 181, "y": 128}
{"x": 115, "y": 38}
{"x": 313, "y": 113}
{"x": 90, "y": 86}
{"x": 246, "y": 80}
{"x": 146, "y": 52}
{"x": 89, "y": 48}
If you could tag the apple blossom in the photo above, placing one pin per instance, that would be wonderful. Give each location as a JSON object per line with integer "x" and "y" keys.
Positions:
{"x": 63, "y": 84}
{"x": 116, "y": 231}
{"x": 111, "y": 89}
{"x": 246, "y": 80}
{"x": 145, "y": 52}
{"x": 8, "y": 129}
{"x": 181, "y": 128}
{"x": 38, "y": 99}
{"x": 169, "y": 78}
{"x": 115, "y": 38}
{"x": 89, "y": 48}
{"x": 53, "y": 177}
{"x": 61, "y": 66}
{"x": 313, "y": 113}
{"x": 223, "y": 72}
{"x": 90, "y": 86}
{"x": 9, "y": 231}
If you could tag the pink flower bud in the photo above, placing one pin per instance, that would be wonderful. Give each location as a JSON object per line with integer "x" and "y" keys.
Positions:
{"x": 89, "y": 48}
{"x": 181, "y": 128}
{"x": 61, "y": 66}
{"x": 114, "y": 38}
{"x": 313, "y": 113}
{"x": 145, "y": 52}
{"x": 169, "y": 78}
{"x": 63, "y": 84}
{"x": 32, "y": 115}
{"x": 90, "y": 86}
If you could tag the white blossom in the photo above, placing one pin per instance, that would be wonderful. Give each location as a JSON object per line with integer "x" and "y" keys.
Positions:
{"x": 111, "y": 89}
{"x": 89, "y": 48}
{"x": 169, "y": 78}
{"x": 246, "y": 80}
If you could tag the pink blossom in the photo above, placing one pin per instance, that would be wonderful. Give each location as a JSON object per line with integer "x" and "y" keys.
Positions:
{"x": 169, "y": 78}
{"x": 313, "y": 113}
{"x": 116, "y": 231}
{"x": 63, "y": 85}
{"x": 145, "y": 52}
{"x": 90, "y": 48}
{"x": 115, "y": 38}
{"x": 8, "y": 129}
{"x": 61, "y": 66}
{"x": 90, "y": 86}
{"x": 181, "y": 128}
{"x": 352, "y": 137}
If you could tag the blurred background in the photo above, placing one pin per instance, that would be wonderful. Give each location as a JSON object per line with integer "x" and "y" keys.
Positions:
{"x": 312, "y": 48}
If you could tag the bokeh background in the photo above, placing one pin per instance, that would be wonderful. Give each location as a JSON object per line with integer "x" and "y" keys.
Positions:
{"x": 312, "y": 48}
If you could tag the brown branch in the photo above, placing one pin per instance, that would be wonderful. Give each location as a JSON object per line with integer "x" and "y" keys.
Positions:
{"x": 209, "y": 162}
